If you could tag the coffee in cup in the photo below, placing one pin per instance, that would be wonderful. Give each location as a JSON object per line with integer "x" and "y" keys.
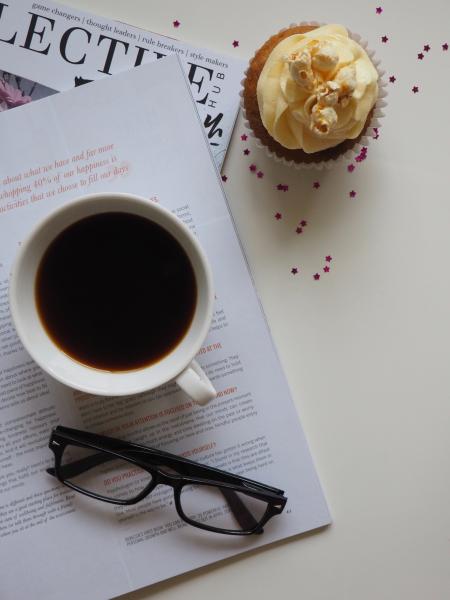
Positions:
{"x": 116, "y": 291}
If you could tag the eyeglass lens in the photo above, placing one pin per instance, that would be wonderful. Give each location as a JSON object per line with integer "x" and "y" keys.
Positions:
{"x": 102, "y": 474}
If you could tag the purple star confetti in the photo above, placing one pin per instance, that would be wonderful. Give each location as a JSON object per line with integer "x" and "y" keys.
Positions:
{"x": 376, "y": 135}
{"x": 350, "y": 168}
{"x": 362, "y": 155}
{"x": 246, "y": 152}
{"x": 224, "y": 177}
{"x": 278, "y": 216}
{"x": 326, "y": 269}
{"x": 427, "y": 48}
{"x": 252, "y": 168}
{"x": 303, "y": 223}
{"x": 244, "y": 137}
{"x": 352, "y": 194}
{"x": 392, "y": 79}
{"x": 299, "y": 230}
{"x": 282, "y": 187}
{"x": 445, "y": 47}
{"x": 378, "y": 10}
{"x": 420, "y": 55}
{"x": 316, "y": 185}
{"x": 316, "y": 276}
{"x": 328, "y": 258}
{"x": 176, "y": 23}
{"x": 294, "y": 270}
{"x": 260, "y": 174}
{"x": 384, "y": 39}
{"x": 235, "y": 43}
{"x": 415, "y": 89}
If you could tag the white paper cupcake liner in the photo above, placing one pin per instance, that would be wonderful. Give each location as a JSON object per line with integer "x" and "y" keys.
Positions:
{"x": 352, "y": 152}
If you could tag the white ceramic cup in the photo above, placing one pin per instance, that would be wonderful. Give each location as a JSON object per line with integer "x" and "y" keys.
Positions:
{"x": 179, "y": 365}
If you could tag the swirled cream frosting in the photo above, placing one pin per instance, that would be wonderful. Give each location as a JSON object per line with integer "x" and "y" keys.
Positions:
{"x": 316, "y": 89}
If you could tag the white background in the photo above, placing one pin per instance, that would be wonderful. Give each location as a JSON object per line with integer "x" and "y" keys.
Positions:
{"x": 365, "y": 349}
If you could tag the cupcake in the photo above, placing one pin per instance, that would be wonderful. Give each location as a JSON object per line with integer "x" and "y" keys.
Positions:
{"x": 310, "y": 94}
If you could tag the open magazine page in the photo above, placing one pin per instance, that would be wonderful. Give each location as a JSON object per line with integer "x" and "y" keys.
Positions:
{"x": 63, "y": 540}
{"x": 61, "y": 47}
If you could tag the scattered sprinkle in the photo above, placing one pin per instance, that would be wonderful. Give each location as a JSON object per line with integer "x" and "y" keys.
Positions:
{"x": 378, "y": 10}
{"x": 420, "y": 55}
{"x": 392, "y": 79}
{"x": 445, "y": 47}
{"x": 246, "y": 152}
{"x": 316, "y": 185}
{"x": 328, "y": 258}
{"x": 244, "y": 137}
{"x": 278, "y": 216}
{"x": 415, "y": 89}
{"x": 316, "y": 276}
{"x": 235, "y": 43}
{"x": 260, "y": 174}
{"x": 252, "y": 168}
{"x": 224, "y": 177}
{"x": 299, "y": 230}
{"x": 427, "y": 47}
{"x": 303, "y": 223}
{"x": 294, "y": 270}
{"x": 350, "y": 168}
{"x": 376, "y": 135}
{"x": 326, "y": 269}
{"x": 362, "y": 155}
{"x": 352, "y": 194}
{"x": 176, "y": 23}
{"x": 384, "y": 39}
{"x": 282, "y": 187}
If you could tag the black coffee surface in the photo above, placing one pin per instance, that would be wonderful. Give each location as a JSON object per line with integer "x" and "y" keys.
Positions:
{"x": 116, "y": 291}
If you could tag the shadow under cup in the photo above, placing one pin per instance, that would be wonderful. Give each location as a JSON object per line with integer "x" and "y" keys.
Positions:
{"x": 59, "y": 364}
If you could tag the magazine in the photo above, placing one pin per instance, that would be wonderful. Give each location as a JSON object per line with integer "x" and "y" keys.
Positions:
{"x": 53, "y": 541}
{"x": 60, "y": 47}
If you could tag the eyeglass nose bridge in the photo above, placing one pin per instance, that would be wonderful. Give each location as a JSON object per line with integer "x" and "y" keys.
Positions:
{"x": 160, "y": 476}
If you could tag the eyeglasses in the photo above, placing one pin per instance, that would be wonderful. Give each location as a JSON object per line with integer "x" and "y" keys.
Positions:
{"x": 123, "y": 473}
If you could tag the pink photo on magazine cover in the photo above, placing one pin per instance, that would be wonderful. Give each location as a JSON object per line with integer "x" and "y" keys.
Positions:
{"x": 17, "y": 91}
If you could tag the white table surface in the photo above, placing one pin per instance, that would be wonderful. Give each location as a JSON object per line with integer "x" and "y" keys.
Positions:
{"x": 365, "y": 348}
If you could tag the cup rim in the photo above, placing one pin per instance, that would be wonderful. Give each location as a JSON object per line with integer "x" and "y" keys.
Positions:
{"x": 135, "y": 388}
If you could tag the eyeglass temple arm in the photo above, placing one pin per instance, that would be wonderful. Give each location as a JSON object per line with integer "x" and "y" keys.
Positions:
{"x": 242, "y": 514}
{"x": 183, "y": 466}
{"x": 80, "y": 466}
{"x": 84, "y": 464}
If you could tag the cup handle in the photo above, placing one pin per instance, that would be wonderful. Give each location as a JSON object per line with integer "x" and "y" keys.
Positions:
{"x": 194, "y": 382}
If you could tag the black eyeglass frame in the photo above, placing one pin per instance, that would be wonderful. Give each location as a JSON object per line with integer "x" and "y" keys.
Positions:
{"x": 188, "y": 472}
